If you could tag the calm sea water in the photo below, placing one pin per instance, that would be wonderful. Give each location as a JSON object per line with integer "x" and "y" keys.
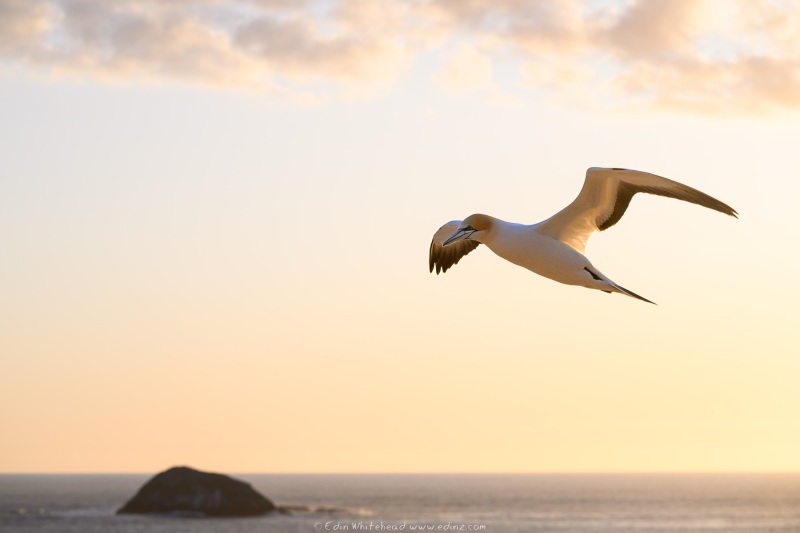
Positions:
{"x": 494, "y": 503}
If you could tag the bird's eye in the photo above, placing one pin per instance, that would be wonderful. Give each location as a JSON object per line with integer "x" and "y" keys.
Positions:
{"x": 469, "y": 228}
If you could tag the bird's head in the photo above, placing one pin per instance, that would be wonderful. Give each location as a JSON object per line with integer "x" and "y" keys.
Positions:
{"x": 470, "y": 229}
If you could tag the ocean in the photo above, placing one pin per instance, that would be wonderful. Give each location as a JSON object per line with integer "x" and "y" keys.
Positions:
{"x": 597, "y": 503}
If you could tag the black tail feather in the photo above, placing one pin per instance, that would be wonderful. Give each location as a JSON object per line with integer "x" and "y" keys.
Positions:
{"x": 631, "y": 293}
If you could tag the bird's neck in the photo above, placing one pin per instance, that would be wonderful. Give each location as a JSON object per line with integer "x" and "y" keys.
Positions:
{"x": 496, "y": 227}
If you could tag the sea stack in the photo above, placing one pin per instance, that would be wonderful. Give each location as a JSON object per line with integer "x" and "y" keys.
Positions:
{"x": 185, "y": 490}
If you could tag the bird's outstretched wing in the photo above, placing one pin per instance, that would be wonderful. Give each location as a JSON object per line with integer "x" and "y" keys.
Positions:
{"x": 604, "y": 198}
{"x": 443, "y": 257}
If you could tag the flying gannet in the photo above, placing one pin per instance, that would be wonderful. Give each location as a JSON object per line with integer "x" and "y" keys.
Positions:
{"x": 554, "y": 247}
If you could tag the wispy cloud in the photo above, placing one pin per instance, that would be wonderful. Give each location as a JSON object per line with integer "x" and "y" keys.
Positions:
{"x": 702, "y": 56}
{"x": 711, "y": 57}
{"x": 245, "y": 43}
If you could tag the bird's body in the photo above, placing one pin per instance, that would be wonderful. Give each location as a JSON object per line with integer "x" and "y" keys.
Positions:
{"x": 553, "y": 259}
{"x": 554, "y": 247}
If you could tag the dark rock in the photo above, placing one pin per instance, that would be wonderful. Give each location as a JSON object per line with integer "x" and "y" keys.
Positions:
{"x": 185, "y": 490}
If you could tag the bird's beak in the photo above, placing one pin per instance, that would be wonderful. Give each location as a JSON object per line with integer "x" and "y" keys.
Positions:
{"x": 458, "y": 236}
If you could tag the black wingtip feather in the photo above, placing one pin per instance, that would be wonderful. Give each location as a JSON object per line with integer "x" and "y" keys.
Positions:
{"x": 626, "y": 191}
{"x": 444, "y": 257}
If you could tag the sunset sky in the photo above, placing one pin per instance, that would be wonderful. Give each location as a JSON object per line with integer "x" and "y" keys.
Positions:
{"x": 215, "y": 218}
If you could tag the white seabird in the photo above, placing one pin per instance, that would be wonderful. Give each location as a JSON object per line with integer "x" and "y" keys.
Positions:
{"x": 554, "y": 247}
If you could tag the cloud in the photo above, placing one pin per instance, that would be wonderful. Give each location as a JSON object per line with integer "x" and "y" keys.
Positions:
{"x": 723, "y": 56}
{"x": 22, "y": 25}
{"x": 728, "y": 57}
{"x": 704, "y": 56}
{"x": 651, "y": 28}
{"x": 247, "y": 43}
{"x": 360, "y": 41}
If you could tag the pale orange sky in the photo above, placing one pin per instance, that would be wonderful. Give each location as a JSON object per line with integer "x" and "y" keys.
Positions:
{"x": 216, "y": 217}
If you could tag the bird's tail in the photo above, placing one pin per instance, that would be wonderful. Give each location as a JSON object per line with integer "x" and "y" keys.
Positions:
{"x": 605, "y": 284}
{"x": 623, "y": 290}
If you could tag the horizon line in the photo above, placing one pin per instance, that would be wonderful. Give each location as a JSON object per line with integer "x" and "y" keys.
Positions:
{"x": 421, "y": 473}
